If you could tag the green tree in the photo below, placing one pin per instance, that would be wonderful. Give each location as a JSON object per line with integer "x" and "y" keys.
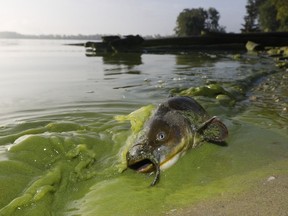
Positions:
{"x": 194, "y": 21}
{"x": 282, "y": 13}
{"x": 190, "y": 22}
{"x": 268, "y": 17}
{"x": 212, "y": 20}
{"x": 251, "y": 17}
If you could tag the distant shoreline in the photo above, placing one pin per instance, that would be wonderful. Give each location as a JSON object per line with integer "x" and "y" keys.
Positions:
{"x": 15, "y": 35}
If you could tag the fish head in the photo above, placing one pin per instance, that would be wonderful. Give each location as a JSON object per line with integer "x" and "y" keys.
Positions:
{"x": 165, "y": 136}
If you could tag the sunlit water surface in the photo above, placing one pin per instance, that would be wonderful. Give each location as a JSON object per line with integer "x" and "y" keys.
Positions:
{"x": 60, "y": 144}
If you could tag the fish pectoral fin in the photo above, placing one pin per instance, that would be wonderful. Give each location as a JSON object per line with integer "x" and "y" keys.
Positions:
{"x": 213, "y": 130}
{"x": 204, "y": 125}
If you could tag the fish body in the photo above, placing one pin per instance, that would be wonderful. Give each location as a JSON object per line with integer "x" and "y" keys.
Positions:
{"x": 177, "y": 125}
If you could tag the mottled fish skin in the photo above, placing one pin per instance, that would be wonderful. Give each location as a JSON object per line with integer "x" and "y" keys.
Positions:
{"x": 178, "y": 124}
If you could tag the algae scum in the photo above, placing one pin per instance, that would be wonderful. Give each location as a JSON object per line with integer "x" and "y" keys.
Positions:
{"x": 67, "y": 159}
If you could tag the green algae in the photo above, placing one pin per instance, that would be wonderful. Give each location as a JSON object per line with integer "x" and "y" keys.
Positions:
{"x": 137, "y": 120}
{"x": 47, "y": 162}
{"x": 64, "y": 126}
{"x": 211, "y": 90}
{"x": 37, "y": 191}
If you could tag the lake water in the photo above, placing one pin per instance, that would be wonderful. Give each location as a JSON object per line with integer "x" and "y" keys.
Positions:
{"x": 60, "y": 142}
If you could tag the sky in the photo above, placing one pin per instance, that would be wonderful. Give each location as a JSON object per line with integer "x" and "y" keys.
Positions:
{"x": 144, "y": 17}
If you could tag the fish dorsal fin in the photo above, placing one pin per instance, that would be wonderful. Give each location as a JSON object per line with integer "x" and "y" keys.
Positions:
{"x": 186, "y": 104}
{"x": 213, "y": 130}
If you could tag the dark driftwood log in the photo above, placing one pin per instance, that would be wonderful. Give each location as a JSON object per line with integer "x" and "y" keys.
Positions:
{"x": 212, "y": 41}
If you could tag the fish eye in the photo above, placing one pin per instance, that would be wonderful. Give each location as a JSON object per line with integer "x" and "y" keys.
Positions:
{"x": 161, "y": 136}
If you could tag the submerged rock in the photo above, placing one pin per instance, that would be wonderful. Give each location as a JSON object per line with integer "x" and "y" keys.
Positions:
{"x": 212, "y": 90}
{"x": 225, "y": 100}
{"x": 251, "y": 46}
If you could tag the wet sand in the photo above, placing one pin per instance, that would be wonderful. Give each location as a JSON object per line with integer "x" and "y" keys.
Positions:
{"x": 267, "y": 197}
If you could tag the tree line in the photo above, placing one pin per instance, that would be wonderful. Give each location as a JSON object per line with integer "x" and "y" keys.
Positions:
{"x": 266, "y": 16}
{"x": 261, "y": 16}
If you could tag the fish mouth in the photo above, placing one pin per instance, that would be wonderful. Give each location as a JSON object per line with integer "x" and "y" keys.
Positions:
{"x": 147, "y": 165}
{"x": 144, "y": 165}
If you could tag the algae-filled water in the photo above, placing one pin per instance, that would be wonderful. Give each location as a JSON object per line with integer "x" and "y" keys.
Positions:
{"x": 60, "y": 144}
